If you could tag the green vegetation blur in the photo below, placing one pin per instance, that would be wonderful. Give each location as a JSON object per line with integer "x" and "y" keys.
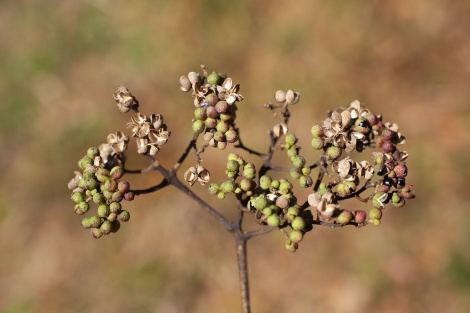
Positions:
{"x": 61, "y": 61}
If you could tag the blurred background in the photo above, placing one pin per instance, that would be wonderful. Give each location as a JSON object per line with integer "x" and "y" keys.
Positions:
{"x": 61, "y": 61}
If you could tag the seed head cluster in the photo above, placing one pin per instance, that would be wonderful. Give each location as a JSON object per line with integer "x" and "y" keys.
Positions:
{"x": 99, "y": 182}
{"x": 215, "y": 97}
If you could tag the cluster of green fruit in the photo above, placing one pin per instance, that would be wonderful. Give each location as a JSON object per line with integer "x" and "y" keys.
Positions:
{"x": 271, "y": 200}
{"x": 215, "y": 99}
{"x": 102, "y": 186}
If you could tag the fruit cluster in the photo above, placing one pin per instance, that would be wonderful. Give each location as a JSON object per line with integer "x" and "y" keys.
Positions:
{"x": 215, "y": 98}
{"x": 272, "y": 201}
{"x": 99, "y": 184}
{"x": 355, "y": 129}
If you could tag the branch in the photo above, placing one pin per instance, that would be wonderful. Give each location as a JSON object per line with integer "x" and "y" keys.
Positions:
{"x": 240, "y": 242}
{"x": 191, "y": 145}
{"x": 163, "y": 184}
{"x": 242, "y": 146}
{"x": 258, "y": 232}
{"x": 173, "y": 180}
{"x": 334, "y": 224}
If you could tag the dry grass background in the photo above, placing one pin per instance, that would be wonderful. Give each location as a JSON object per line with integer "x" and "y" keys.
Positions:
{"x": 60, "y": 62}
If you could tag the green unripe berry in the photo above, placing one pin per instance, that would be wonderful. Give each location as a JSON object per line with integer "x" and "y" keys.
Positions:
{"x": 124, "y": 216}
{"x": 345, "y": 217}
{"x": 96, "y": 233}
{"x": 86, "y": 222}
{"x": 218, "y": 136}
{"x": 222, "y": 126}
{"x": 249, "y": 171}
{"x": 246, "y": 184}
{"x": 111, "y": 185}
{"x": 91, "y": 184}
{"x": 260, "y": 202}
{"x": 285, "y": 186}
{"x": 200, "y": 114}
{"x": 107, "y": 194}
{"x": 214, "y": 79}
{"x": 341, "y": 190}
{"x": 198, "y": 126}
{"x": 95, "y": 221}
{"x": 298, "y": 161}
{"x": 99, "y": 198}
{"x": 93, "y": 152}
{"x": 268, "y": 211}
{"x": 306, "y": 170}
{"x": 290, "y": 140}
{"x": 376, "y": 222}
{"x": 395, "y": 198}
{"x": 82, "y": 163}
{"x": 232, "y": 166}
{"x": 291, "y": 246}
{"x": 298, "y": 223}
{"x": 221, "y": 145}
{"x": 375, "y": 213}
{"x": 273, "y": 220}
{"x": 231, "y": 136}
{"x": 116, "y": 172}
{"x": 112, "y": 217}
{"x": 226, "y": 116}
{"x": 295, "y": 173}
{"x": 292, "y": 213}
{"x": 350, "y": 187}
{"x": 82, "y": 208}
{"x": 88, "y": 175}
{"x": 292, "y": 152}
{"x": 213, "y": 189}
{"x": 318, "y": 143}
{"x": 228, "y": 186}
{"x": 102, "y": 175}
{"x": 275, "y": 184}
{"x": 221, "y": 195}
{"x": 323, "y": 189}
{"x": 317, "y": 130}
{"x": 265, "y": 182}
{"x": 106, "y": 227}
{"x": 103, "y": 210}
{"x": 305, "y": 181}
{"x": 296, "y": 236}
{"x": 77, "y": 197}
{"x": 115, "y": 207}
{"x": 236, "y": 157}
{"x": 333, "y": 153}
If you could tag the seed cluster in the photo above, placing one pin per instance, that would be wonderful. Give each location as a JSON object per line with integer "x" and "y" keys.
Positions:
{"x": 215, "y": 98}
{"x": 272, "y": 201}
{"x": 355, "y": 129}
{"x": 100, "y": 183}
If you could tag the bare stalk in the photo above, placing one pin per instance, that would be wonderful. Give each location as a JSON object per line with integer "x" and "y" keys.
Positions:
{"x": 240, "y": 241}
